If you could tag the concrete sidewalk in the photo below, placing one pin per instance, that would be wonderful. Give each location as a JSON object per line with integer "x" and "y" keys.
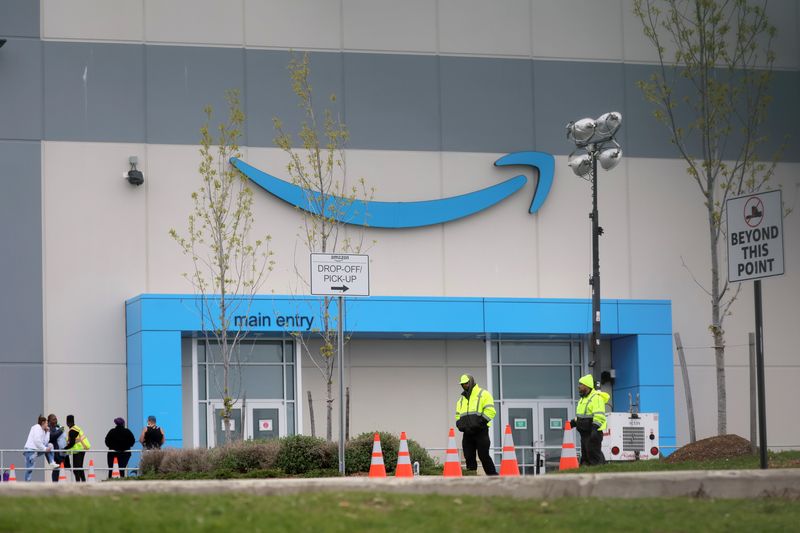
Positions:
{"x": 724, "y": 484}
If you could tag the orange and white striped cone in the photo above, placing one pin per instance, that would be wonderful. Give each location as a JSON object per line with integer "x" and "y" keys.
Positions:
{"x": 569, "y": 458}
{"x": 376, "y": 467}
{"x": 452, "y": 466}
{"x": 92, "y": 477}
{"x": 403, "y": 459}
{"x": 62, "y": 474}
{"x": 12, "y": 474}
{"x": 115, "y": 470}
{"x": 509, "y": 465}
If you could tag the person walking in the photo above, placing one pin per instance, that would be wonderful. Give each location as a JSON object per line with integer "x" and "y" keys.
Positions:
{"x": 119, "y": 440}
{"x": 38, "y": 443}
{"x": 58, "y": 438}
{"x": 152, "y": 437}
{"x": 474, "y": 413}
{"x": 590, "y": 421}
{"x": 77, "y": 444}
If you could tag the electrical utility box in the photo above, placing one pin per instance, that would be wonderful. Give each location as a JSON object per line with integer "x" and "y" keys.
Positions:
{"x": 631, "y": 437}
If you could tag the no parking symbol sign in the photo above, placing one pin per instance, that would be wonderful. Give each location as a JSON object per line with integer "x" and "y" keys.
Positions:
{"x": 265, "y": 424}
{"x": 755, "y": 236}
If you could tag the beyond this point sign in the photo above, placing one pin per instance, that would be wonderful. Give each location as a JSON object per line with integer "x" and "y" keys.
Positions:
{"x": 755, "y": 236}
{"x": 340, "y": 275}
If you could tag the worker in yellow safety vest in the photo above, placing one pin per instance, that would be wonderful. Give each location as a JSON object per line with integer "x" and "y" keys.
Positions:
{"x": 590, "y": 421}
{"x": 77, "y": 444}
{"x": 474, "y": 414}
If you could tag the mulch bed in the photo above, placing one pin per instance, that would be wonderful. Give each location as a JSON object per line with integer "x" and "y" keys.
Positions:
{"x": 720, "y": 447}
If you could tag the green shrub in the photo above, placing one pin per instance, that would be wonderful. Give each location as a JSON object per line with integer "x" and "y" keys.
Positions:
{"x": 358, "y": 453}
{"x": 177, "y": 461}
{"x": 150, "y": 463}
{"x": 299, "y": 454}
{"x": 244, "y": 456}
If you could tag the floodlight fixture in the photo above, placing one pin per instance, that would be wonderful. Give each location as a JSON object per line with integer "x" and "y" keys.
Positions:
{"x": 610, "y": 157}
{"x": 580, "y": 164}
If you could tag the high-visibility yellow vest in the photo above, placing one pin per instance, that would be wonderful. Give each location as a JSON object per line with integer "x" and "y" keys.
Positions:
{"x": 480, "y": 404}
{"x": 593, "y": 406}
{"x": 81, "y": 442}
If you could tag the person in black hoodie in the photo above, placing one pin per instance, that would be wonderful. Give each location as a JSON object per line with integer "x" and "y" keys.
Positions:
{"x": 120, "y": 440}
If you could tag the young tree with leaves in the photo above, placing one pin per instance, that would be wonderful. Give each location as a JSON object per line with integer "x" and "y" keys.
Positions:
{"x": 712, "y": 95}
{"x": 318, "y": 167}
{"x": 229, "y": 267}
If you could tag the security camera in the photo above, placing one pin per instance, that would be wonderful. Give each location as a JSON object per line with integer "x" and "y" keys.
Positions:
{"x": 134, "y": 177}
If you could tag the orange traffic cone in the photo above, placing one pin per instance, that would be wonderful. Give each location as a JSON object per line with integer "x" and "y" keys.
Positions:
{"x": 12, "y": 474}
{"x": 403, "y": 459}
{"x": 62, "y": 474}
{"x": 92, "y": 477}
{"x": 376, "y": 467}
{"x": 115, "y": 470}
{"x": 569, "y": 458}
{"x": 452, "y": 466}
{"x": 509, "y": 466}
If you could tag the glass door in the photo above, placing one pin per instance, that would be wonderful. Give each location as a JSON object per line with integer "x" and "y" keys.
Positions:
{"x": 523, "y": 419}
{"x": 266, "y": 420}
{"x": 551, "y": 431}
{"x": 216, "y": 428}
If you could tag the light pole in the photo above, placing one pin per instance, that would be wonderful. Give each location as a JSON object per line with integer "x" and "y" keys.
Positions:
{"x": 594, "y": 140}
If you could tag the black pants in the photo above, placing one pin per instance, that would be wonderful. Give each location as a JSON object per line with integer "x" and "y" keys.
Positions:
{"x": 122, "y": 461}
{"x": 592, "y": 447}
{"x": 479, "y": 442}
{"x": 77, "y": 462}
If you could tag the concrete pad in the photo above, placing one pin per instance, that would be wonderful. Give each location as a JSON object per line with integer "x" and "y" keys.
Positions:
{"x": 722, "y": 484}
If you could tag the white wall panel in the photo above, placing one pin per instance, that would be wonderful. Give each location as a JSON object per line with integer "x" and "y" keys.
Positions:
{"x": 94, "y": 249}
{"x": 93, "y": 19}
{"x": 102, "y": 398}
{"x": 408, "y": 26}
{"x": 494, "y": 251}
{"x": 577, "y": 29}
{"x": 194, "y": 22}
{"x": 479, "y": 27}
{"x": 293, "y": 24}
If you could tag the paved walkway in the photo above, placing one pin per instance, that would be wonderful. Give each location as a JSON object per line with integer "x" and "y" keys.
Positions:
{"x": 743, "y": 484}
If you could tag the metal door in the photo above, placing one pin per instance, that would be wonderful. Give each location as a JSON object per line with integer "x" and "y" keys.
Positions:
{"x": 523, "y": 419}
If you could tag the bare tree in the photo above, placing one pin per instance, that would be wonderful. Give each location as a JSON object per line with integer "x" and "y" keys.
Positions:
{"x": 318, "y": 166}
{"x": 713, "y": 96}
{"x": 229, "y": 267}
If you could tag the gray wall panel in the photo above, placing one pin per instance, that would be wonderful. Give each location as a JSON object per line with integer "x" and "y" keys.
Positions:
{"x": 94, "y": 92}
{"x": 21, "y": 260}
{"x": 392, "y": 101}
{"x": 181, "y": 81}
{"x": 21, "y": 89}
{"x": 487, "y": 105}
{"x": 566, "y": 90}
{"x": 22, "y": 398}
{"x": 269, "y": 93}
{"x": 19, "y": 18}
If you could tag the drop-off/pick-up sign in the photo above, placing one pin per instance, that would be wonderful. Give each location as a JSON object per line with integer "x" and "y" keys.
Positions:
{"x": 340, "y": 275}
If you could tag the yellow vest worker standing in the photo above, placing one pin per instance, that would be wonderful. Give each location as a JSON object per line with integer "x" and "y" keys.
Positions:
{"x": 590, "y": 421}
{"x": 474, "y": 414}
{"x": 77, "y": 444}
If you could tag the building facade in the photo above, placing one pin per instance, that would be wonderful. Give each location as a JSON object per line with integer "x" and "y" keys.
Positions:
{"x": 98, "y": 320}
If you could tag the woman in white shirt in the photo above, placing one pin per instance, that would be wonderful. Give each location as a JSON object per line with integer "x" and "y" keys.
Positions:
{"x": 38, "y": 443}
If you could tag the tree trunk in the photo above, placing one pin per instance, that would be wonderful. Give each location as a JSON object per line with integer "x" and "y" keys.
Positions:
{"x": 311, "y": 415}
{"x": 329, "y": 414}
{"x": 716, "y": 323}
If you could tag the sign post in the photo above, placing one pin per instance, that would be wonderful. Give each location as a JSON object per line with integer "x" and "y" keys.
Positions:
{"x": 337, "y": 275}
{"x": 755, "y": 251}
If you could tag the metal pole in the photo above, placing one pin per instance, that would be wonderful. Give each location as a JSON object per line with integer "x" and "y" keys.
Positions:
{"x": 762, "y": 409}
{"x": 340, "y": 351}
{"x": 595, "y": 279}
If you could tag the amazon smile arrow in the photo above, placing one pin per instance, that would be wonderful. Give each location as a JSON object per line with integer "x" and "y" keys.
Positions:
{"x": 378, "y": 214}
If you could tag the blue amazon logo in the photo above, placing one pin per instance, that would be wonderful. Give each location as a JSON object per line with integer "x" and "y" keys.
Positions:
{"x": 376, "y": 214}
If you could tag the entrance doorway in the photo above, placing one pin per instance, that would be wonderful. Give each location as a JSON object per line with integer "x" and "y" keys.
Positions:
{"x": 259, "y": 420}
{"x": 538, "y": 431}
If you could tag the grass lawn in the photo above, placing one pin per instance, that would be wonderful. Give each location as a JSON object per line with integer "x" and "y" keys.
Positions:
{"x": 790, "y": 459}
{"x": 387, "y": 512}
